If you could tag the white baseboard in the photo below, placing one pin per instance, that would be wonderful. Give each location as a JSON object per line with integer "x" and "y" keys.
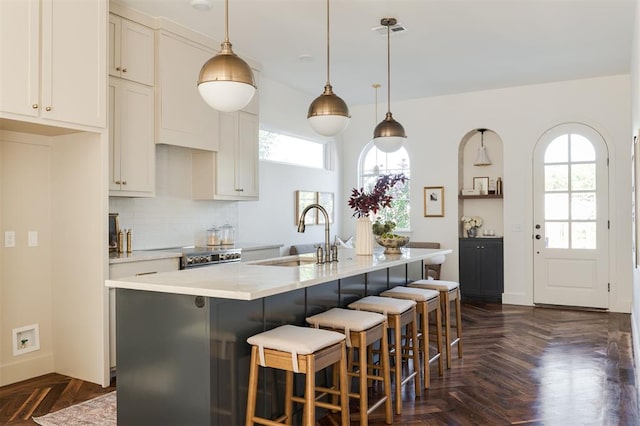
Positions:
{"x": 30, "y": 367}
{"x": 516, "y": 299}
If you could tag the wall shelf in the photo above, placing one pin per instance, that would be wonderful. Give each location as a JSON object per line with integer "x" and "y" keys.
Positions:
{"x": 477, "y": 197}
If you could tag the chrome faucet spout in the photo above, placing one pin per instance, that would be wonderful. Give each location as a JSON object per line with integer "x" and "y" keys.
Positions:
{"x": 327, "y": 233}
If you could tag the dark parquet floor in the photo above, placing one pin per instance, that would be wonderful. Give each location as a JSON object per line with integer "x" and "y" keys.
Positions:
{"x": 521, "y": 365}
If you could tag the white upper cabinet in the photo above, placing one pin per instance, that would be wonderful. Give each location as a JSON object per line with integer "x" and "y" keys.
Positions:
{"x": 131, "y": 146}
{"x": 131, "y": 50}
{"x": 53, "y": 68}
{"x": 182, "y": 117}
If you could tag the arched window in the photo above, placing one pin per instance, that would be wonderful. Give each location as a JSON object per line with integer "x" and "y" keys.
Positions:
{"x": 373, "y": 163}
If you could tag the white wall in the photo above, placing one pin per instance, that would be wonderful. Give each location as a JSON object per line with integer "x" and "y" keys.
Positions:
{"x": 635, "y": 130}
{"x": 271, "y": 219}
{"x": 519, "y": 115}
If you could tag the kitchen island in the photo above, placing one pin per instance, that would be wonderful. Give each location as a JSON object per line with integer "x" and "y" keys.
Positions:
{"x": 181, "y": 336}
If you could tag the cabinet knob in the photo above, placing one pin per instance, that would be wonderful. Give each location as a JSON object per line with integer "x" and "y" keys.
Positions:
{"x": 118, "y": 68}
{"x": 34, "y": 106}
{"x": 124, "y": 182}
{"x": 48, "y": 108}
{"x": 239, "y": 189}
{"x": 538, "y": 236}
{"x": 117, "y": 182}
{"x": 124, "y": 70}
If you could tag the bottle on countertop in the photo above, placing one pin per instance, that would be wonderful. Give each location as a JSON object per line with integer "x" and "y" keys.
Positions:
{"x": 121, "y": 241}
{"x": 499, "y": 186}
{"x": 129, "y": 245}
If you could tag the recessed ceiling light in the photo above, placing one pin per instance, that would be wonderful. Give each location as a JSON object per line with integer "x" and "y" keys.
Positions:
{"x": 201, "y": 4}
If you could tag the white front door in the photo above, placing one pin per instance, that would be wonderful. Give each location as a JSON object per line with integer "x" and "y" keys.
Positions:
{"x": 571, "y": 235}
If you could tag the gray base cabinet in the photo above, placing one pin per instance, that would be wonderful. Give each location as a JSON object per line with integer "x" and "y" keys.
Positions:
{"x": 481, "y": 269}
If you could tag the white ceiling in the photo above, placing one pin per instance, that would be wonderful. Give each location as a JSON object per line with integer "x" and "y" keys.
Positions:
{"x": 450, "y": 46}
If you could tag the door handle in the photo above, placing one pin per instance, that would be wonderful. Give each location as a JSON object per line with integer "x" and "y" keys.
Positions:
{"x": 538, "y": 236}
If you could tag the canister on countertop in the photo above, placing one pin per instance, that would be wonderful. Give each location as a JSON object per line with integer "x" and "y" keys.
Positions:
{"x": 213, "y": 237}
{"x": 121, "y": 241}
{"x": 227, "y": 235}
{"x": 129, "y": 245}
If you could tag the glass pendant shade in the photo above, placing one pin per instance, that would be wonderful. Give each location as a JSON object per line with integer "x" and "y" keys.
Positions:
{"x": 328, "y": 114}
{"x": 482, "y": 158}
{"x": 226, "y": 82}
{"x": 389, "y": 135}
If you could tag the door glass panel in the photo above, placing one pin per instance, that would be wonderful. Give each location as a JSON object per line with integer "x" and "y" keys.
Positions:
{"x": 558, "y": 150}
{"x": 582, "y": 149}
{"x": 583, "y": 177}
{"x": 557, "y": 235}
{"x": 583, "y": 235}
{"x": 583, "y": 206}
{"x": 556, "y": 178}
{"x": 556, "y": 206}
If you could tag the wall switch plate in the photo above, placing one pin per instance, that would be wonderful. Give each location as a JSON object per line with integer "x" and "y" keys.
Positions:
{"x": 32, "y": 239}
{"x": 9, "y": 239}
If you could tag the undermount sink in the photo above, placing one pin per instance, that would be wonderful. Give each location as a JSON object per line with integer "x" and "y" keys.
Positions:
{"x": 287, "y": 261}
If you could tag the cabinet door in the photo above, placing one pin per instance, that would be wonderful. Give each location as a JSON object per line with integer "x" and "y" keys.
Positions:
{"x": 247, "y": 154}
{"x": 137, "y": 52}
{"x": 132, "y": 150}
{"x": 226, "y": 156}
{"x": 470, "y": 284}
{"x": 20, "y": 64}
{"x": 115, "y": 41}
{"x": 492, "y": 269}
{"x": 73, "y": 84}
{"x": 183, "y": 118}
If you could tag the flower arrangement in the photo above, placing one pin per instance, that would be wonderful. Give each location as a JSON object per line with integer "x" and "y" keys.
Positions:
{"x": 366, "y": 203}
{"x": 469, "y": 222}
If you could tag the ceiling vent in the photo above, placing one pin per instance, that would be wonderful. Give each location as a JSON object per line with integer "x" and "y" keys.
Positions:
{"x": 381, "y": 30}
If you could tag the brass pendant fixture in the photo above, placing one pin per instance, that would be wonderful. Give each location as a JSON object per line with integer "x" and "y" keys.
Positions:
{"x": 328, "y": 114}
{"x": 226, "y": 82}
{"x": 482, "y": 159}
{"x": 389, "y": 135}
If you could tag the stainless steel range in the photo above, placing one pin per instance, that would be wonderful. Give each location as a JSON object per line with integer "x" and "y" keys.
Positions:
{"x": 204, "y": 256}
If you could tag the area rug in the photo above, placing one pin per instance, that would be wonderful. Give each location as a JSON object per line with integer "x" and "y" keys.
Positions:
{"x": 100, "y": 411}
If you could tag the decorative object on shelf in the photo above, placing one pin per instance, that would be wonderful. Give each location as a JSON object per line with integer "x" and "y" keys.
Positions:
{"x": 328, "y": 114}
{"x": 492, "y": 186}
{"x": 481, "y": 184}
{"x": 389, "y": 135}
{"x": 390, "y": 241}
{"x": 226, "y": 82}
{"x": 499, "y": 186}
{"x": 471, "y": 224}
{"x": 469, "y": 192}
{"x": 365, "y": 203}
{"x": 482, "y": 159}
{"x": 434, "y": 201}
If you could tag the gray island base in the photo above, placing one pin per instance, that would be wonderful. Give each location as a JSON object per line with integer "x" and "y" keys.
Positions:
{"x": 182, "y": 353}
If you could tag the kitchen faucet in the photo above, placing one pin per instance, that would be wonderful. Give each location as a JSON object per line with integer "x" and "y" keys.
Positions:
{"x": 330, "y": 253}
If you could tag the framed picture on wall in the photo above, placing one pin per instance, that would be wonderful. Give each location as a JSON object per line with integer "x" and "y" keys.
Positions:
{"x": 481, "y": 184}
{"x": 303, "y": 199}
{"x": 434, "y": 201}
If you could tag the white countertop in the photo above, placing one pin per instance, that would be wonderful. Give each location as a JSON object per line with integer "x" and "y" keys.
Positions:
{"x": 249, "y": 281}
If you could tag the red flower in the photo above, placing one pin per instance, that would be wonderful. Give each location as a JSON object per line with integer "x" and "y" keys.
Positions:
{"x": 365, "y": 203}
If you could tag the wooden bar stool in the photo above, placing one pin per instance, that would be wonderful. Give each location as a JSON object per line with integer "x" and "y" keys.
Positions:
{"x": 298, "y": 350}
{"x": 362, "y": 329}
{"x": 449, "y": 293}
{"x": 400, "y": 313}
{"x": 427, "y": 301}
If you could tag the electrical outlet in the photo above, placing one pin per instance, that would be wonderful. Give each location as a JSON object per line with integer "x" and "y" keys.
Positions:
{"x": 32, "y": 239}
{"x": 9, "y": 239}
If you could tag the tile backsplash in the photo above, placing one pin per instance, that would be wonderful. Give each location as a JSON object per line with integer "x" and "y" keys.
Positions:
{"x": 171, "y": 218}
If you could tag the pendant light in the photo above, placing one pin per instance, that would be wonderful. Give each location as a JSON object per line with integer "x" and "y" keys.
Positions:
{"x": 389, "y": 135}
{"x": 482, "y": 159}
{"x": 376, "y": 86}
{"x": 226, "y": 82}
{"x": 328, "y": 114}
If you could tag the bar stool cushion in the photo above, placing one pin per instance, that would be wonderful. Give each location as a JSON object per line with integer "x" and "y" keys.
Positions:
{"x": 411, "y": 293}
{"x": 439, "y": 285}
{"x": 347, "y": 320}
{"x": 383, "y": 305}
{"x": 294, "y": 339}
